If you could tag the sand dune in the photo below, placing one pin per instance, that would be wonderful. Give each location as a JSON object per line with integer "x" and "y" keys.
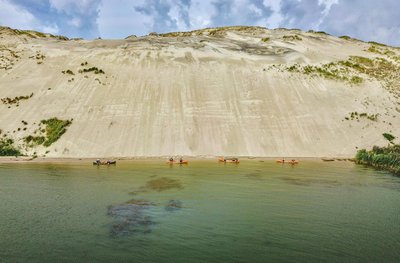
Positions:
{"x": 210, "y": 92}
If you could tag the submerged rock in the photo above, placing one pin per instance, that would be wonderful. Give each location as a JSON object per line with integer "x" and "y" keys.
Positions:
{"x": 140, "y": 202}
{"x": 256, "y": 175}
{"x": 163, "y": 183}
{"x": 173, "y": 205}
{"x": 131, "y": 217}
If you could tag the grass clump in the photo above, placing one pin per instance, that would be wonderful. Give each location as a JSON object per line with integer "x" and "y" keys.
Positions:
{"x": 7, "y": 148}
{"x": 389, "y": 137}
{"x": 55, "y": 128}
{"x": 356, "y": 80}
{"x": 378, "y": 44}
{"x": 355, "y": 115}
{"x": 349, "y": 71}
{"x": 294, "y": 68}
{"x": 292, "y": 38}
{"x": 34, "y": 140}
{"x": 265, "y": 39}
{"x": 373, "y": 117}
{"x": 381, "y": 51}
{"x": 68, "y": 71}
{"x": 378, "y": 68}
{"x": 92, "y": 69}
{"x": 15, "y": 100}
{"x": 318, "y": 32}
{"x": 331, "y": 71}
{"x": 345, "y": 37}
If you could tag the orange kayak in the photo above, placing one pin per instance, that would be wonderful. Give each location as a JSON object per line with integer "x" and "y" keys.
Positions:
{"x": 228, "y": 161}
{"x": 177, "y": 162}
{"x": 288, "y": 162}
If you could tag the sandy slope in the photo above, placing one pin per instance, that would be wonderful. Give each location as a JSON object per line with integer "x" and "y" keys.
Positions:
{"x": 193, "y": 95}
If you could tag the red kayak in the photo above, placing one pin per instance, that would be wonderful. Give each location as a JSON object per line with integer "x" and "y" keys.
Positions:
{"x": 222, "y": 160}
{"x": 178, "y": 162}
{"x": 288, "y": 162}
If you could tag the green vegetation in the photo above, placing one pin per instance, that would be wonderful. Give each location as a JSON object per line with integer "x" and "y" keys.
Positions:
{"x": 40, "y": 56}
{"x": 15, "y": 100}
{"x": 29, "y": 33}
{"x": 381, "y": 51}
{"x": 292, "y": 38}
{"x": 34, "y": 140}
{"x": 389, "y": 137}
{"x": 356, "y": 80}
{"x": 94, "y": 69}
{"x": 59, "y": 37}
{"x": 265, "y": 39}
{"x": 318, "y": 32}
{"x": 384, "y": 69}
{"x": 376, "y": 43}
{"x": 68, "y": 71}
{"x": 7, "y": 148}
{"x": 35, "y": 34}
{"x": 219, "y": 31}
{"x": 54, "y": 129}
{"x": 345, "y": 37}
{"x": 331, "y": 71}
{"x": 349, "y": 70}
{"x": 383, "y": 158}
{"x": 373, "y": 117}
{"x": 357, "y": 116}
{"x": 378, "y": 68}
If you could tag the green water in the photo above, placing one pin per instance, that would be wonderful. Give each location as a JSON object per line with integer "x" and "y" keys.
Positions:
{"x": 204, "y": 212}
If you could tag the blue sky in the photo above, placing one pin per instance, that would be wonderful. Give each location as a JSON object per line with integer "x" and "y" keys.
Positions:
{"x": 369, "y": 20}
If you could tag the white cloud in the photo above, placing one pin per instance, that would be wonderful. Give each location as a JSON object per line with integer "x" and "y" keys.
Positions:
{"x": 366, "y": 20}
{"x": 118, "y": 21}
{"x": 16, "y": 17}
{"x": 328, "y": 4}
{"x": 257, "y": 11}
{"x": 73, "y": 6}
{"x": 276, "y": 18}
{"x": 201, "y": 13}
{"x": 76, "y": 22}
{"x": 177, "y": 14}
{"x": 53, "y": 29}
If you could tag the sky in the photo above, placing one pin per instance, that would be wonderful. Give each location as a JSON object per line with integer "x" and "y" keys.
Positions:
{"x": 368, "y": 20}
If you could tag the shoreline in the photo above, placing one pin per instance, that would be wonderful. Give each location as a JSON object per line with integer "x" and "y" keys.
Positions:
{"x": 28, "y": 159}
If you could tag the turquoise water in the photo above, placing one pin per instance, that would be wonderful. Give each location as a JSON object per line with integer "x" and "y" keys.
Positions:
{"x": 203, "y": 212}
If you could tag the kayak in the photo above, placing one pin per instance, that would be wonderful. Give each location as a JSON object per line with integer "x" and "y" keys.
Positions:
{"x": 228, "y": 160}
{"x": 177, "y": 162}
{"x": 105, "y": 163}
{"x": 288, "y": 162}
